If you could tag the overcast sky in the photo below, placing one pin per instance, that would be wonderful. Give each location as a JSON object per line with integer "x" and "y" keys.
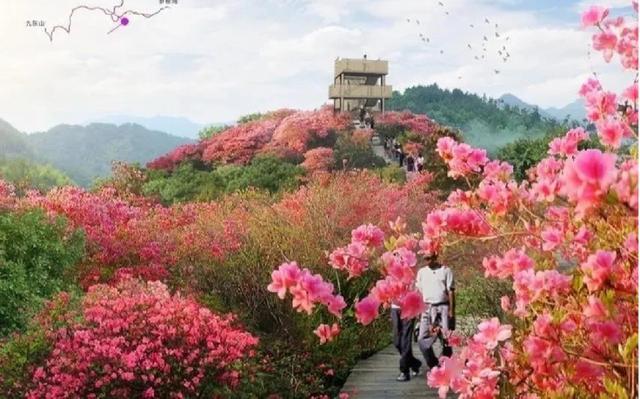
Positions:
{"x": 212, "y": 61}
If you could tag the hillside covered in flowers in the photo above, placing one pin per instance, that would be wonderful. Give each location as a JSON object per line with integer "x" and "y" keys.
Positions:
{"x": 261, "y": 261}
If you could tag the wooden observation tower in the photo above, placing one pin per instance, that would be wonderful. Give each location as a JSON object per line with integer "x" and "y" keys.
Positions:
{"x": 359, "y": 82}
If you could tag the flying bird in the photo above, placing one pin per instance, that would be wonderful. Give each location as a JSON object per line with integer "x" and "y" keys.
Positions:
{"x": 486, "y": 20}
{"x": 476, "y": 57}
{"x": 468, "y": 45}
{"x": 417, "y": 22}
{"x": 507, "y": 38}
{"x": 459, "y": 77}
{"x": 408, "y": 19}
{"x": 499, "y": 52}
{"x": 446, "y": 12}
{"x": 441, "y": 51}
{"x": 505, "y": 60}
{"x": 440, "y": 3}
{"x": 496, "y": 26}
{"x": 471, "y": 25}
{"x": 496, "y": 71}
{"x": 497, "y": 34}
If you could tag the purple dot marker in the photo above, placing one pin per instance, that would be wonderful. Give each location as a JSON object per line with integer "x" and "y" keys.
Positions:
{"x": 124, "y": 21}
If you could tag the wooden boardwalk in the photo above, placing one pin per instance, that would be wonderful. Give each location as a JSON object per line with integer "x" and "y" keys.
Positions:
{"x": 375, "y": 378}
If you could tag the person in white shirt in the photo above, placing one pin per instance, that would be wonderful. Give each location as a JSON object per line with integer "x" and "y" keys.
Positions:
{"x": 402, "y": 333}
{"x": 436, "y": 284}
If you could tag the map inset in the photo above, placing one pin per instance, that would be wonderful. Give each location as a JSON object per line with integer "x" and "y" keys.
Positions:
{"x": 119, "y": 15}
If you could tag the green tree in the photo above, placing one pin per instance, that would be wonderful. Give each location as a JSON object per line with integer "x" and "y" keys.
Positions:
{"x": 210, "y": 131}
{"x": 35, "y": 257}
{"x": 25, "y": 175}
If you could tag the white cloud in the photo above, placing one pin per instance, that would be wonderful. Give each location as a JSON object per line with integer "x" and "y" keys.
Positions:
{"x": 213, "y": 61}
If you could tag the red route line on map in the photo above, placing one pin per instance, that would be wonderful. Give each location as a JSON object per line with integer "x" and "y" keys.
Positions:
{"x": 112, "y": 13}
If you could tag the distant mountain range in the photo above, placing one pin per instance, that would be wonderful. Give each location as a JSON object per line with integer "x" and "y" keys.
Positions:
{"x": 86, "y": 152}
{"x": 175, "y": 125}
{"x": 575, "y": 110}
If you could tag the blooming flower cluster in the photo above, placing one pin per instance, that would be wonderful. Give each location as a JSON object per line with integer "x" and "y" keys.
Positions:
{"x": 461, "y": 158}
{"x": 416, "y": 123}
{"x": 318, "y": 160}
{"x": 137, "y": 340}
{"x": 284, "y": 133}
{"x": 307, "y": 289}
{"x": 125, "y": 239}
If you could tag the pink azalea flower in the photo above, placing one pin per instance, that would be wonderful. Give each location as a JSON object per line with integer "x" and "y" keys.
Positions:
{"x": 336, "y": 304}
{"x": 587, "y": 178}
{"x": 605, "y": 42}
{"x": 491, "y": 332}
{"x": 327, "y": 333}
{"x": 612, "y": 131}
{"x": 595, "y": 309}
{"x": 443, "y": 376}
{"x": 367, "y": 310}
{"x": 594, "y": 15}
{"x": 505, "y": 303}
{"x": 368, "y": 235}
{"x": 552, "y": 237}
{"x": 285, "y": 277}
{"x": 607, "y": 332}
{"x": 411, "y": 305}
{"x": 598, "y": 268}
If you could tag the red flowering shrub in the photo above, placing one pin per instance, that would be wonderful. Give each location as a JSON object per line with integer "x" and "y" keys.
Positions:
{"x": 297, "y": 132}
{"x": 240, "y": 143}
{"x": 406, "y": 121}
{"x": 7, "y": 195}
{"x": 286, "y": 133}
{"x": 137, "y": 340}
{"x": 178, "y": 155}
{"x": 147, "y": 240}
{"x": 318, "y": 160}
{"x": 362, "y": 136}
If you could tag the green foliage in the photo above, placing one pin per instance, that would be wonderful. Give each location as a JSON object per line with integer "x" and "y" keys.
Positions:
{"x": 264, "y": 172}
{"x": 480, "y": 296}
{"x": 35, "y": 255}
{"x": 210, "y": 131}
{"x": 357, "y": 155}
{"x": 250, "y": 117}
{"x": 525, "y": 153}
{"x": 483, "y": 121}
{"x": 189, "y": 182}
{"x": 392, "y": 174}
{"x": 25, "y": 175}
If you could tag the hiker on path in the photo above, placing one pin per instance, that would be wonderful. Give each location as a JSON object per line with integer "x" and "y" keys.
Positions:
{"x": 411, "y": 164}
{"x": 363, "y": 112}
{"x": 402, "y": 334}
{"x": 435, "y": 283}
{"x": 400, "y": 156}
{"x": 420, "y": 163}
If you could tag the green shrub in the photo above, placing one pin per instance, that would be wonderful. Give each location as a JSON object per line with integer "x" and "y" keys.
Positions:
{"x": 35, "y": 256}
{"x": 525, "y": 153}
{"x": 191, "y": 182}
{"x": 25, "y": 175}
{"x": 480, "y": 296}
{"x": 392, "y": 174}
{"x": 354, "y": 155}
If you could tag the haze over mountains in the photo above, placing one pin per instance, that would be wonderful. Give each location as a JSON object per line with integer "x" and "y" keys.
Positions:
{"x": 574, "y": 110}
{"x": 175, "y": 125}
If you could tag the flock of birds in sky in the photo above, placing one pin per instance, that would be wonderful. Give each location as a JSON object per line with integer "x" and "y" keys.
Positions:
{"x": 480, "y": 52}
